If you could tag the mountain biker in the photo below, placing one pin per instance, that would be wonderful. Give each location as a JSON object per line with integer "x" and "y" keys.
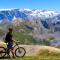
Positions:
{"x": 9, "y": 39}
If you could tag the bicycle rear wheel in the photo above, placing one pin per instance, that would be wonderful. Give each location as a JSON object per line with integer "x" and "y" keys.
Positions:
{"x": 2, "y": 51}
{"x": 20, "y": 52}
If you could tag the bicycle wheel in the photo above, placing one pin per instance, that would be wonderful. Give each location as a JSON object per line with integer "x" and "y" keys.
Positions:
{"x": 2, "y": 51}
{"x": 20, "y": 52}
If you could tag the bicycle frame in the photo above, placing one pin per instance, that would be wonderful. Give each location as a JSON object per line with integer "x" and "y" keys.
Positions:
{"x": 6, "y": 49}
{"x": 16, "y": 44}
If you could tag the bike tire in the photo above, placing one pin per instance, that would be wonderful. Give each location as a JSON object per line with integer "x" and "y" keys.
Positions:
{"x": 20, "y": 52}
{"x": 2, "y": 52}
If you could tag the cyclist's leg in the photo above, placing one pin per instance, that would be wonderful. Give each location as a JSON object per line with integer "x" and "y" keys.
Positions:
{"x": 13, "y": 53}
{"x": 12, "y": 49}
{"x": 8, "y": 50}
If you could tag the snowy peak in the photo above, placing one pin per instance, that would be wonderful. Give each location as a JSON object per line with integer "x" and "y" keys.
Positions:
{"x": 44, "y": 13}
{"x": 28, "y": 14}
{"x": 39, "y": 13}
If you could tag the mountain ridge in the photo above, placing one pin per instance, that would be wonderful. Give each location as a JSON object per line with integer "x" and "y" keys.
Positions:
{"x": 21, "y": 13}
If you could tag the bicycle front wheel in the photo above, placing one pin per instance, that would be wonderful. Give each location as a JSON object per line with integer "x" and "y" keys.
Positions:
{"x": 20, "y": 52}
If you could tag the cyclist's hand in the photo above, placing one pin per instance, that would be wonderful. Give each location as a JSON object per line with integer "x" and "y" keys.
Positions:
{"x": 13, "y": 39}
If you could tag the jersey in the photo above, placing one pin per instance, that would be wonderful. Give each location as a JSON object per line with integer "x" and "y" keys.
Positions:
{"x": 8, "y": 37}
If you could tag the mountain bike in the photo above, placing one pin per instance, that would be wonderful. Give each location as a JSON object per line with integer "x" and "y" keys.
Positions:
{"x": 19, "y": 51}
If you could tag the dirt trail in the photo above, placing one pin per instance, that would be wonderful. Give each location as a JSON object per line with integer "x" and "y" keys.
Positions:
{"x": 34, "y": 49}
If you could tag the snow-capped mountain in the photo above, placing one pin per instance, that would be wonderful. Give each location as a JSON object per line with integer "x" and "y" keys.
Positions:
{"x": 45, "y": 16}
{"x": 24, "y": 13}
{"x": 9, "y": 14}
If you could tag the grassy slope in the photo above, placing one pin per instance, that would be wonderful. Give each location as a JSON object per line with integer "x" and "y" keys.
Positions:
{"x": 23, "y": 36}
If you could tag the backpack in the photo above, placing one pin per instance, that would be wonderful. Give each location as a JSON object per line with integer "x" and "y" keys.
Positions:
{"x": 8, "y": 37}
{"x": 4, "y": 38}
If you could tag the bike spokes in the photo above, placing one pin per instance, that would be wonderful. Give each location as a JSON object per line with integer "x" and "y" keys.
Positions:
{"x": 20, "y": 52}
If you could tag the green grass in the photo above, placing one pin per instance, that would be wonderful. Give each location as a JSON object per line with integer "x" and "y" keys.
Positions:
{"x": 37, "y": 58}
{"x": 23, "y": 36}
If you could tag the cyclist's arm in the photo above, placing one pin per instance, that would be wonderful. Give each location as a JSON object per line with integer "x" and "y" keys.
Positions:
{"x": 13, "y": 39}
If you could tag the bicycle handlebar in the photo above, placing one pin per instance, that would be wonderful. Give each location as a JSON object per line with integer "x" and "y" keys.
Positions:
{"x": 17, "y": 42}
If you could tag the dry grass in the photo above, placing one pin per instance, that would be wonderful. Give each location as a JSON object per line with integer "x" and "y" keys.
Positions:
{"x": 47, "y": 52}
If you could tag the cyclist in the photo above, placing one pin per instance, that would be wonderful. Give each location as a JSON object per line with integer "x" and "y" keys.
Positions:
{"x": 9, "y": 39}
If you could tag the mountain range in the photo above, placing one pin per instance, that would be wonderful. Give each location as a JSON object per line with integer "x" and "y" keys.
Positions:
{"x": 46, "y": 17}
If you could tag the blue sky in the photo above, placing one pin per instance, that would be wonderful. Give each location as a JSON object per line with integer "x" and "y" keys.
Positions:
{"x": 31, "y": 4}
